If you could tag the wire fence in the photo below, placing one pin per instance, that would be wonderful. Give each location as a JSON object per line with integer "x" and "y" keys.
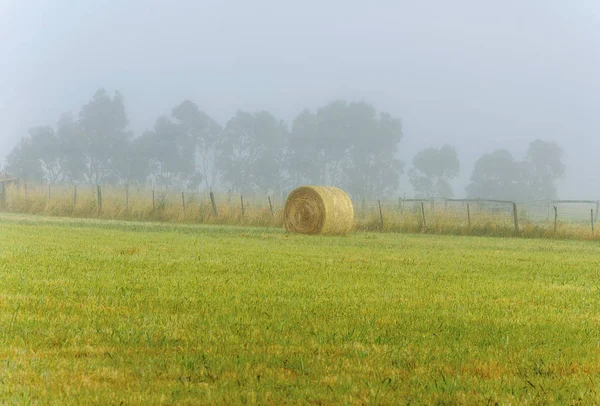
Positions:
{"x": 556, "y": 216}
{"x": 561, "y": 218}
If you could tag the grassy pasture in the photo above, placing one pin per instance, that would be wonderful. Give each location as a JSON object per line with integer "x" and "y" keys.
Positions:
{"x": 108, "y": 312}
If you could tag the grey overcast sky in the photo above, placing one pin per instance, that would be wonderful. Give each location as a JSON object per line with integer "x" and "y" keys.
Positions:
{"x": 476, "y": 74}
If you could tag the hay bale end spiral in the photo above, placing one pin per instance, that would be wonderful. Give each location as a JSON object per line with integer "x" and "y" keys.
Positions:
{"x": 318, "y": 210}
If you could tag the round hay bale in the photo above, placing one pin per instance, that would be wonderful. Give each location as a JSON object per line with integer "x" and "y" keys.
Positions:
{"x": 318, "y": 210}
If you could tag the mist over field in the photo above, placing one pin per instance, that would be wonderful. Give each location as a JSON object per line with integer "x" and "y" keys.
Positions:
{"x": 474, "y": 75}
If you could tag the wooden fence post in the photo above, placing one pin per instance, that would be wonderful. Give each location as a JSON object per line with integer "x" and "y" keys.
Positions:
{"x": 423, "y": 214}
{"x": 515, "y": 218}
{"x": 468, "y": 215}
{"x": 99, "y": 189}
{"x": 555, "y": 218}
{"x": 3, "y": 197}
{"x": 597, "y": 207}
{"x": 74, "y": 197}
{"x": 271, "y": 205}
{"x": 183, "y": 200}
{"x": 214, "y": 204}
{"x": 242, "y": 202}
{"x": 380, "y": 213}
{"x": 26, "y": 193}
{"x": 592, "y": 219}
{"x": 153, "y": 201}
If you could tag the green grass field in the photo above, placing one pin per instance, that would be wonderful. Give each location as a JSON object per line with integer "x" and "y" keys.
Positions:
{"x": 107, "y": 312}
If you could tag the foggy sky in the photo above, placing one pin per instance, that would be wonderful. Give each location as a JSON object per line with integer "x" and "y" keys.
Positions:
{"x": 478, "y": 75}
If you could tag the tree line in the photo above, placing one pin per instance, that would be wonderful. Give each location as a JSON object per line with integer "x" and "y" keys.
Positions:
{"x": 496, "y": 175}
{"x": 348, "y": 144}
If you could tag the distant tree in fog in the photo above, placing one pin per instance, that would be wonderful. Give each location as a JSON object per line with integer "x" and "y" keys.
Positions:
{"x": 306, "y": 160}
{"x": 319, "y": 145}
{"x": 103, "y": 137}
{"x": 433, "y": 168}
{"x": 373, "y": 170}
{"x": 546, "y": 167}
{"x": 251, "y": 152}
{"x": 169, "y": 151}
{"x": 348, "y": 145}
{"x": 204, "y": 133}
{"x": 72, "y": 147}
{"x": 499, "y": 176}
{"x": 38, "y": 156}
{"x": 22, "y": 162}
{"x": 47, "y": 149}
{"x": 135, "y": 164}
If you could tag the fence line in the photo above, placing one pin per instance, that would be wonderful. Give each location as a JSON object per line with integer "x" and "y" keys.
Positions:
{"x": 445, "y": 215}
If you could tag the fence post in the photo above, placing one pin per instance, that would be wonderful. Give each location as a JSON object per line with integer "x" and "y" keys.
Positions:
{"x": 468, "y": 215}
{"x": 515, "y": 218}
{"x": 153, "y": 201}
{"x": 242, "y": 201}
{"x": 183, "y": 200}
{"x": 3, "y": 197}
{"x": 127, "y": 197}
{"x": 271, "y": 205}
{"x": 597, "y": 207}
{"x": 99, "y": 189}
{"x": 423, "y": 214}
{"x": 592, "y": 219}
{"x": 214, "y": 205}
{"x": 555, "y": 218}
{"x": 74, "y": 196}
{"x": 26, "y": 193}
{"x": 380, "y": 213}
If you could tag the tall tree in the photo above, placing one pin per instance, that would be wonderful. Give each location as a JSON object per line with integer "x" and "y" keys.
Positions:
{"x": 47, "y": 150}
{"x": 204, "y": 132}
{"x": 373, "y": 169}
{"x": 433, "y": 168}
{"x": 170, "y": 153}
{"x": 137, "y": 165}
{"x": 349, "y": 145}
{"x": 306, "y": 161}
{"x": 72, "y": 148}
{"x": 22, "y": 162}
{"x": 103, "y": 123}
{"x": 38, "y": 156}
{"x": 499, "y": 176}
{"x": 546, "y": 167}
{"x": 251, "y": 152}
